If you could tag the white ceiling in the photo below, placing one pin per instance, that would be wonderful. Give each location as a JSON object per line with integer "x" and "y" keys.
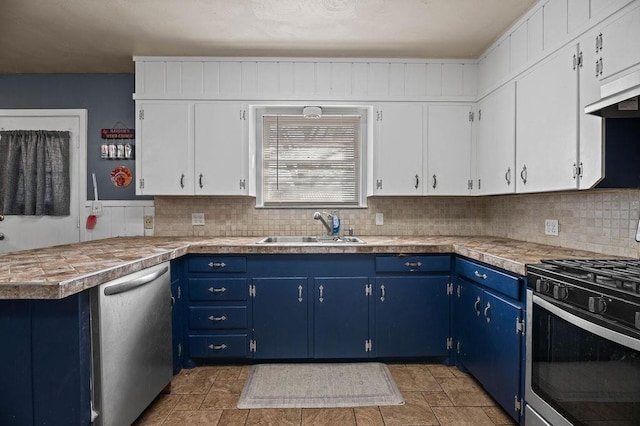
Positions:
{"x": 92, "y": 36}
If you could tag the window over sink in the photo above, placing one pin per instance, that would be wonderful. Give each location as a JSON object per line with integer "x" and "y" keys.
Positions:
{"x": 311, "y": 156}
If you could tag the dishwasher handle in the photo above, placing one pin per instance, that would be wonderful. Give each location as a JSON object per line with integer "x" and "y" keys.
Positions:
{"x": 134, "y": 283}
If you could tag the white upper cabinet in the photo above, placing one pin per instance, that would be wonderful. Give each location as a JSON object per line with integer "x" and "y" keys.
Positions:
{"x": 448, "y": 149}
{"x": 191, "y": 149}
{"x": 618, "y": 44}
{"x": 554, "y": 23}
{"x": 398, "y": 155}
{"x": 221, "y": 149}
{"x": 546, "y": 128}
{"x": 164, "y": 144}
{"x": 495, "y": 144}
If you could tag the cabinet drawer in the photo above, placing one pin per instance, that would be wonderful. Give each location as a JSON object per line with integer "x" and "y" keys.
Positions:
{"x": 217, "y": 317}
{"x": 224, "y": 264}
{"x": 218, "y": 289}
{"x": 432, "y": 263}
{"x": 506, "y": 284}
{"x": 218, "y": 346}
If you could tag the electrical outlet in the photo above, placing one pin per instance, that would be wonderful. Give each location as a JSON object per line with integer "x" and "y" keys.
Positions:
{"x": 96, "y": 208}
{"x": 551, "y": 227}
{"x": 148, "y": 222}
{"x": 379, "y": 219}
{"x": 197, "y": 219}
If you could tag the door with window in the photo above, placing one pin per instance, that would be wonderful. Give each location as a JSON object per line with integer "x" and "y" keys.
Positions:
{"x": 22, "y": 232}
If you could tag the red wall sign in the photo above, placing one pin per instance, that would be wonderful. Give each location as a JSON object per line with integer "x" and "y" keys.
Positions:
{"x": 118, "y": 133}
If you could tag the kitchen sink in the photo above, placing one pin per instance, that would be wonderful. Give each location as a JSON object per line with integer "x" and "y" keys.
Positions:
{"x": 288, "y": 239}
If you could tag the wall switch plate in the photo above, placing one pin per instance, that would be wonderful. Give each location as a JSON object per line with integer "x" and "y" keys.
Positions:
{"x": 148, "y": 222}
{"x": 551, "y": 227}
{"x": 197, "y": 219}
{"x": 379, "y": 219}
{"x": 96, "y": 208}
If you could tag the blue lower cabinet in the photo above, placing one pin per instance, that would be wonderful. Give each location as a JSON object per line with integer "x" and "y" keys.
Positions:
{"x": 217, "y": 317}
{"x": 411, "y": 316}
{"x": 280, "y": 317}
{"x": 341, "y": 317}
{"x": 468, "y": 322}
{"x": 218, "y": 346}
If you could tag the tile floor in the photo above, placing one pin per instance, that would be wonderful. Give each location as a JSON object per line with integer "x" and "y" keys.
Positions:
{"x": 434, "y": 394}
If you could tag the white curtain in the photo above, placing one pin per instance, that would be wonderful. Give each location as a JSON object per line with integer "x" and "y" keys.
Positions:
{"x": 34, "y": 173}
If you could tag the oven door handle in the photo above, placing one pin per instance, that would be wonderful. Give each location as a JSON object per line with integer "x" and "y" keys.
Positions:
{"x": 591, "y": 327}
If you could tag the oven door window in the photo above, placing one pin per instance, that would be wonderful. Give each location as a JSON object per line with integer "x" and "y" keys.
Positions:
{"x": 587, "y": 378}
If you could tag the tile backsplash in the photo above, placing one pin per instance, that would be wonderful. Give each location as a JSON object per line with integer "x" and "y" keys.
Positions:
{"x": 598, "y": 220}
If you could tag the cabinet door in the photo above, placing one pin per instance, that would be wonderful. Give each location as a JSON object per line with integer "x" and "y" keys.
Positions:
{"x": 280, "y": 318}
{"x": 590, "y": 142}
{"x": 546, "y": 125}
{"x": 448, "y": 153}
{"x": 501, "y": 374}
{"x": 220, "y": 149}
{"x": 468, "y": 327}
{"x": 621, "y": 44}
{"x": 164, "y": 149}
{"x": 412, "y": 317}
{"x": 399, "y": 150}
{"x": 341, "y": 317}
{"x": 496, "y": 142}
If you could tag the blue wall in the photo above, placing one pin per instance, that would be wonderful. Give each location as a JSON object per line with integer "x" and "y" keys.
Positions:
{"x": 108, "y": 99}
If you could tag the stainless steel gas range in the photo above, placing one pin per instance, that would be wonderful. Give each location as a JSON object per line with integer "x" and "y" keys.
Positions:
{"x": 583, "y": 343}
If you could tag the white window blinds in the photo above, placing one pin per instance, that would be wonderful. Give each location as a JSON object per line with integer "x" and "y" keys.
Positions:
{"x": 311, "y": 161}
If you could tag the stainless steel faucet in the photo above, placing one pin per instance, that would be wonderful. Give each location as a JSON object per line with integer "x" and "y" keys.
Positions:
{"x": 318, "y": 216}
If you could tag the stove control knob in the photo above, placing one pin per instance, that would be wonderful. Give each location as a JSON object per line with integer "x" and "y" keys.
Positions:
{"x": 597, "y": 305}
{"x": 542, "y": 285}
{"x": 560, "y": 292}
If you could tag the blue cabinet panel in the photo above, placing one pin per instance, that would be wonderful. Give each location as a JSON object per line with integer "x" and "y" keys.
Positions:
{"x": 218, "y": 264}
{"x": 499, "y": 281}
{"x": 417, "y": 263}
{"x": 217, "y": 317}
{"x": 218, "y": 289}
{"x": 281, "y": 317}
{"x": 468, "y": 324}
{"x": 341, "y": 317}
{"x": 218, "y": 346}
{"x": 411, "y": 316}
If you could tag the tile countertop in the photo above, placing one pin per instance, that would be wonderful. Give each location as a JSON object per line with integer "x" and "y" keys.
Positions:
{"x": 60, "y": 271}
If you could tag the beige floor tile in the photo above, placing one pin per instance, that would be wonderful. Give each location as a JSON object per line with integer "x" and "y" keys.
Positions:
{"x": 229, "y": 373}
{"x": 414, "y": 378}
{"x": 328, "y": 417}
{"x": 275, "y": 417}
{"x": 189, "y": 402}
{"x": 464, "y": 384}
{"x": 463, "y": 398}
{"x": 415, "y": 411}
{"x": 440, "y": 370}
{"x": 193, "y": 418}
{"x": 227, "y": 386}
{"x": 437, "y": 399}
{"x": 159, "y": 410}
{"x": 193, "y": 381}
{"x": 498, "y": 416}
{"x": 462, "y": 416}
{"x": 244, "y": 372}
{"x": 368, "y": 416}
{"x": 220, "y": 400}
{"x": 233, "y": 418}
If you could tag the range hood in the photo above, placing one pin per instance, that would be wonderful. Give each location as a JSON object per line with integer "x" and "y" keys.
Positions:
{"x": 619, "y": 98}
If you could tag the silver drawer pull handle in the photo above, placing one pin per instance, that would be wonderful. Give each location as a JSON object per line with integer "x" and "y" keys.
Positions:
{"x": 321, "y": 298}
{"x": 222, "y": 318}
{"x": 217, "y": 347}
{"x": 217, "y": 290}
{"x": 486, "y": 312}
{"x": 413, "y": 265}
{"x": 217, "y": 264}
{"x": 475, "y": 306}
{"x": 479, "y": 275}
{"x": 300, "y": 293}
{"x": 382, "y": 293}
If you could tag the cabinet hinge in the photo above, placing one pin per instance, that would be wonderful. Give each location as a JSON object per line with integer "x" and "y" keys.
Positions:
{"x": 379, "y": 115}
{"x": 449, "y": 289}
{"x": 580, "y": 169}
{"x": 458, "y": 290}
{"x": 479, "y": 114}
{"x": 367, "y": 345}
{"x": 449, "y": 342}
{"x": 458, "y": 347}
{"x": 479, "y": 184}
{"x": 141, "y": 183}
{"x": 252, "y": 346}
{"x": 179, "y": 350}
{"x": 470, "y": 184}
{"x": 77, "y": 221}
{"x": 243, "y": 184}
{"x": 580, "y": 60}
{"x": 379, "y": 184}
{"x": 471, "y": 116}
{"x": 367, "y": 290}
{"x": 520, "y": 326}
{"x": 252, "y": 290}
{"x": 243, "y": 114}
{"x": 141, "y": 114}
{"x": 179, "y": 293}
{"x": 517, "y": 404}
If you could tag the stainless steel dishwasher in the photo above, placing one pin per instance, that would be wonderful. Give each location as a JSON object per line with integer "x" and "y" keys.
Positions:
{"x": 131, "y": 344}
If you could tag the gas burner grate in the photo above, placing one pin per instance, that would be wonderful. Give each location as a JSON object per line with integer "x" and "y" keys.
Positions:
{"x": 621, "y": 274}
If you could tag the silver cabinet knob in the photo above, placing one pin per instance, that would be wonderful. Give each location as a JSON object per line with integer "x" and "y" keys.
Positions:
{"x": 1, "y": 236}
